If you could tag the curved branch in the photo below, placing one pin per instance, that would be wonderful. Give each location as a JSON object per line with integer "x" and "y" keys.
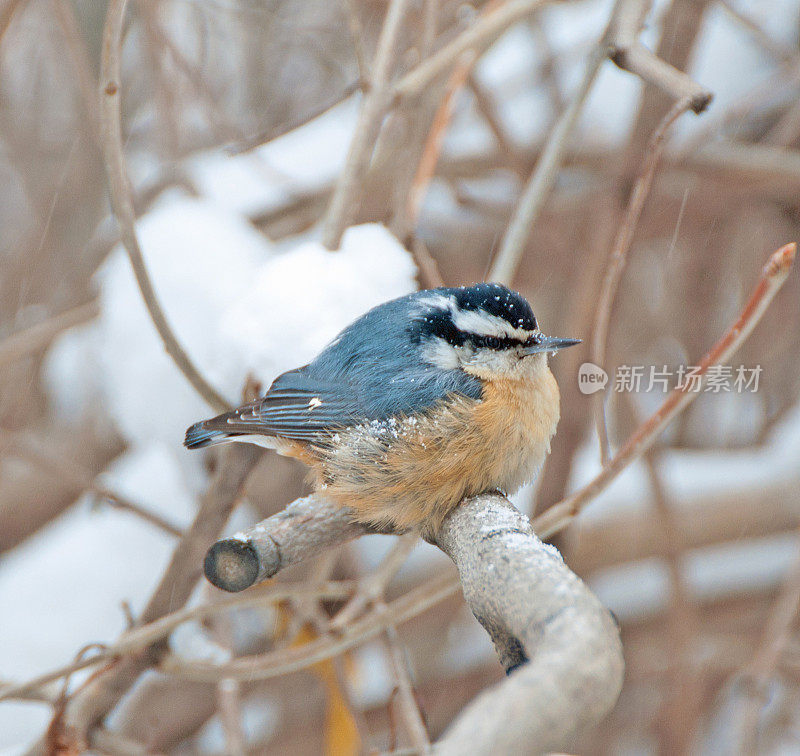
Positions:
{"x": 520, "y": 590}
{"x": 122, "y": 202}
{"x": 534, "y": 608}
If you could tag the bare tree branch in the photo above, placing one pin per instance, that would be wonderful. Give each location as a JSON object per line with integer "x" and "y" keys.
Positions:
{"x": 773, "y": 276}
{"x": 30, "y": 340}
{"x": 618, "y": 42}
{"x": 376, "y": 102}
{"x": 306, "y": 527}
{"x": 561, "y": 643}
{"x": 87, "y": 708}
{"x": 519, "y": 589}
{"x": 122, "y": 201}
{"x": 618, "y": 255}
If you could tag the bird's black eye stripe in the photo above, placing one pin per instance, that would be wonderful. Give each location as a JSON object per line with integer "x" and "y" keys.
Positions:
{"x": 493, "y": 342}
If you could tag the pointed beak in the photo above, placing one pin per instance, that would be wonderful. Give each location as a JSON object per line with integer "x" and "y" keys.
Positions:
{"x": 549, "y": 344}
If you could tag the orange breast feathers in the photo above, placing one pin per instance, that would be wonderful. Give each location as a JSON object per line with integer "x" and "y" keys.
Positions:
{"x": 406, "y": 473}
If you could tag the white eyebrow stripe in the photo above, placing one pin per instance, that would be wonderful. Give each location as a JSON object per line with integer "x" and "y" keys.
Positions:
{"x": 438, "y": 301}
{"x": 484, "y": 324}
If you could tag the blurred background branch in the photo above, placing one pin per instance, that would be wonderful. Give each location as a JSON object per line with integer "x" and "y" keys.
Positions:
{"x": 491, "y": 139}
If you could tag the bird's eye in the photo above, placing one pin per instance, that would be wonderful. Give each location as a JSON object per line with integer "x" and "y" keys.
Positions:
{"x": 492, "y": 342}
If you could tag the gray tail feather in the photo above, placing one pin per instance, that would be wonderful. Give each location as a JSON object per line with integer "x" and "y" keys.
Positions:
{"x": 199, "y": 436}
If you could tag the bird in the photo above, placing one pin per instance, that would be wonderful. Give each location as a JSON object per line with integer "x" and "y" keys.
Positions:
{"x": 424, "y": 400}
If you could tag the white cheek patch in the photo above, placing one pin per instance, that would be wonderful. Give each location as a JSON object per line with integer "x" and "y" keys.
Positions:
{"x": 438, "y": 352}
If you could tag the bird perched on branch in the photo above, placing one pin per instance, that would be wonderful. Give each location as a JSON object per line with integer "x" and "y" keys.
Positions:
{"x": 426, "y": 399}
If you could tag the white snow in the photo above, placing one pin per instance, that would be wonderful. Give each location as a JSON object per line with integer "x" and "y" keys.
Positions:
{"x": 68, "y": 582}
{"x": 302, "y": 298}
{"x": 300, "y": 162}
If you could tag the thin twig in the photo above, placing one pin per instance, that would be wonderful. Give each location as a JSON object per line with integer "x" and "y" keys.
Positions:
{"x": 435, "y": 139}
{"x": 230, "y": 714}
{"x": 357, "y": 38}
{"x": 777, "y": 633}
{"x": 627, "y": 52}
{"x": 36, "y": 337}
{"x": 272, "y": 664}
{"x": 477, "y": 39}
{"x": 429, "y": 274}
{"x": 122, "y": 200}
{"x": 139, "y": 638}
{"x": 84, "y": 480}
{"x": 618, "y": 256}
{"x": 772, "y": 278}
{"x": 485, "y": 106}
{"x": 406, "y": 698}
{"x": 376, "y": 103}
{"x": 284, "y": 127}
{"x": 781, "y": 52}
{"x": 374, "y": 585}
{"x": 89, "y": 707}
{"x": 541, "y": 181}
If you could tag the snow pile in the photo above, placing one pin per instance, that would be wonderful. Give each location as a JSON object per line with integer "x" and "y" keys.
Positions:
{"x": 300, "y": 300}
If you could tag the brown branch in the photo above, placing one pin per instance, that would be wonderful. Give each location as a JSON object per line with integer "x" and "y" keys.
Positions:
{"x": 91, "y": 704}
{"x": 374, "y": 585}
{"x": 406, "y": 698}
{"x": 561, "y": 643}
{"x": 629, "y": 54}
{"x": 617, "y": 258}
{"x": 230, "y": 714}
{"x": 620, "y": 44}
{"x": 541, "y": 181}
{"x": 281, "y": 662}
{"x": 36, "y": 337}
{"x": 122, "y": 200}
{"x": 477, "y": 39}
{"x": 429, "y": 274}
{"x": 777, "y": 633}
{"x": 772, "y": 278}
{"x": 138, "y": 638}
{"x": 306, "y": 527}
{"x": 85, "y": 481}
{"x": 376, "y": 102}
{"x": 637, "y": 59}
{"x": 724, "y": 517}
{"x": 519, "y": 589}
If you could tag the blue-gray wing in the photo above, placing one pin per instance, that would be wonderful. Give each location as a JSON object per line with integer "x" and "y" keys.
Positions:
{"x": 297, "y": 406}
{"x": 305, "y": 403}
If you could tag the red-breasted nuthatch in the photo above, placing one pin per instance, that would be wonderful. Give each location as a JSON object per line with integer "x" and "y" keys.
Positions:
{"x": 426, "y": 399}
